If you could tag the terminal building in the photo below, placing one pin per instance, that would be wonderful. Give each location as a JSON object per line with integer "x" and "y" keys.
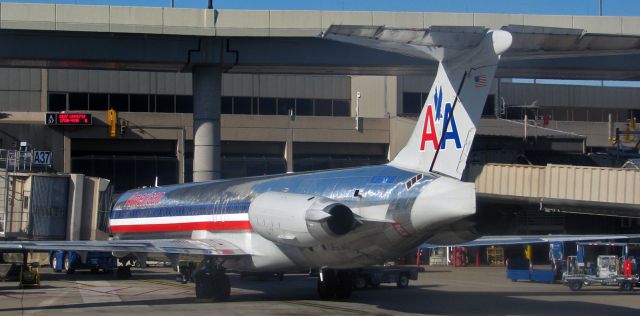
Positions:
{"x": 276, "y": 122}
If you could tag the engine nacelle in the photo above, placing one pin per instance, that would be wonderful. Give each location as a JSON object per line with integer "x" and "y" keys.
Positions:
{"x": 299, "y": 219}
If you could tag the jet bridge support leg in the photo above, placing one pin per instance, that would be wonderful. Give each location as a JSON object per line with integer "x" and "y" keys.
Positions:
{"x": 212, "y": 281}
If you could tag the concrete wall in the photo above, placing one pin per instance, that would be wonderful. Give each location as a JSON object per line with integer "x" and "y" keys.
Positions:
{"x": 107, "y": 81}
{"x": 287, "y": 86}
{"x": 138, "y": 82}
{"x": 378, "y": 95}
{"x": 19, "y": 89}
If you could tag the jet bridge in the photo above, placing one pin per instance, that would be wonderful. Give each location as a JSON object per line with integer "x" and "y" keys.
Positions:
{"x": 563, "y": 188}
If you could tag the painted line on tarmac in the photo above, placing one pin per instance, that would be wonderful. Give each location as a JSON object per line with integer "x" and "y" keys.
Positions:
{"x": 89, "y": 295}
{"x": 168, "y": 283}
{"x": 329, "y": 307}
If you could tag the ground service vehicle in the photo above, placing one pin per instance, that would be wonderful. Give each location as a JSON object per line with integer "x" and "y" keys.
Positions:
{"x": 607, "y": 269}
{"x": 70, "y": 261}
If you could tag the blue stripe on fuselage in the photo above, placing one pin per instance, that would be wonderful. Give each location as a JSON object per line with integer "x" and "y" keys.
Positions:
{"x": 183, "y": 210}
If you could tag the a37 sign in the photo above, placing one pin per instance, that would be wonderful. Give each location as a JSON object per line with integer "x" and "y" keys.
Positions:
{"x": 42, "y": 157}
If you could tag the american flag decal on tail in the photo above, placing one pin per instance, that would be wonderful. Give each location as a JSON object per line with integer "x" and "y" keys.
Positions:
{"x": 480, "y": 81}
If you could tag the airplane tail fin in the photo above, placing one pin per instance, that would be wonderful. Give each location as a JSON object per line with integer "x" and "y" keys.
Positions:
{"x": 467, "y": 60}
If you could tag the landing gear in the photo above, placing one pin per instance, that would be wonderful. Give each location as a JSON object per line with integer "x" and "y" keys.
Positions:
{"x": 123, "y": 272}
{"x": 335, "y": 284}
{"x": 212, "y": 282}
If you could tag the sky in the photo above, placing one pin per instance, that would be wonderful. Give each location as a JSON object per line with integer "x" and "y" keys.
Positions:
{"x": 556, "y": 7}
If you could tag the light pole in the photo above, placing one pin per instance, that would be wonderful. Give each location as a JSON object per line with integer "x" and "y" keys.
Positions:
{"x": 600, "y": 7}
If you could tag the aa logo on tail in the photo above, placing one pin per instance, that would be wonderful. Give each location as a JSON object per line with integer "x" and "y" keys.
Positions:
{"x": 439, "y": 122}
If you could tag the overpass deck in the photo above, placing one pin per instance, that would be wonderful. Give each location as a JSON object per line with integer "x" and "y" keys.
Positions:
{"x": 565, "y": 188}
{"x": 198, "y": 22}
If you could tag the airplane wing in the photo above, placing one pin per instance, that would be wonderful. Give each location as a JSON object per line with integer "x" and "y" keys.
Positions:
{"x": 197, "y": 247}
{"x": 532, "y": 239}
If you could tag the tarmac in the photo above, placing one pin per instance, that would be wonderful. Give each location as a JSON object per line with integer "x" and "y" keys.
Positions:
{"x": 438, "y": 291}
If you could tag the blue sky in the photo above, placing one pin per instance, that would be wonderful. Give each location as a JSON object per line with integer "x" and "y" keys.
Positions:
{"x": 569, "y": 7}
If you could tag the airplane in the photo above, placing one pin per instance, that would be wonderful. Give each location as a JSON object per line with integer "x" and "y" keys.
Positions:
{"x": 333, "y": 220}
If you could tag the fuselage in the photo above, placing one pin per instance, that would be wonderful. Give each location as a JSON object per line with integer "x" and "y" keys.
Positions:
{"x": 384, "y": 196}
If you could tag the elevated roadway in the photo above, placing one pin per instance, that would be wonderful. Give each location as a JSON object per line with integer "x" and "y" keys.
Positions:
{"x": 274, "y": 41}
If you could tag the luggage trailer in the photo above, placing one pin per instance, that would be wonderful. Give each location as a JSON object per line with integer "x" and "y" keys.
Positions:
{"x": 611, "y": 270}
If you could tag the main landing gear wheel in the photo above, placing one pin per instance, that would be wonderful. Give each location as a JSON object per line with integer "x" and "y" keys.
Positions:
{"x": 345, "y": 284}
{"x": 215, "y": 287}
{"x": 327, "y": 282}
{"x": 332, "y": 284}
{"x": 212, "y": 282}
{"x": 123, "y": 272}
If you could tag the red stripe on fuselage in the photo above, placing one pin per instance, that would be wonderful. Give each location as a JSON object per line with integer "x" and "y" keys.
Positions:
{"x": 172, "y": 227}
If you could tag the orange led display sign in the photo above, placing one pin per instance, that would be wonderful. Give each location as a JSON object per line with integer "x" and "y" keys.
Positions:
{"x": 68, "y": 119}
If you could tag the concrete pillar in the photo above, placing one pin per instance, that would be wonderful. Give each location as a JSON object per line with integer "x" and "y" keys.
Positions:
{"x": 74, "y": 212}
{"x": 288, "y": 147}
{"x": 180, "y": 154}
{"x": 66, "y": 154}
{"x": 288, "y": 154}
{"x": 44, "y": 89}
{"x": 207, "y": 86}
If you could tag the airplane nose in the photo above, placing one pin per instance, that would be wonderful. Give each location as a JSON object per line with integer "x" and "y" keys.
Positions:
{"x": 442, "y": 202}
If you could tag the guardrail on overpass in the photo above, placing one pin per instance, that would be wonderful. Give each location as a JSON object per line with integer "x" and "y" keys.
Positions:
{"x": 565, "y": 188}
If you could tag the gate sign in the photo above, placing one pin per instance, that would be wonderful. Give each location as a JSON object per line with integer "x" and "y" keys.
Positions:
{"x": 68, "y": 119}
{"x": 42, "y": 157}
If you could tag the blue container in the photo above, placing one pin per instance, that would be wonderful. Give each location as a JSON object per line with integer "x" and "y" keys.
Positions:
{"x": 517, "y": 274}
{"x": 546, "y": 276}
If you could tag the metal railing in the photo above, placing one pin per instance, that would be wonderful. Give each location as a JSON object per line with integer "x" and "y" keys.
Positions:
{"x": 11, "y": 161}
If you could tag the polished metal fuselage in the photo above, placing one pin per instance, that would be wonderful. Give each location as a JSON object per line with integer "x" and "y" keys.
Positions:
{"x": 383, "y": 196}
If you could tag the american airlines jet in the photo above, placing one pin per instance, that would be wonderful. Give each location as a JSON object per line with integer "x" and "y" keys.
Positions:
{"x": 332, "y": 220}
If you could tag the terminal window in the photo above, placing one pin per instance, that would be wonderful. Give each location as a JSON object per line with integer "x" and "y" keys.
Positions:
{"x": 242, "y": 105}
{"x": 184, "y": 104}
{"x": 63, "y": 101}
{"x": 284, "y": 105}
{"x": 267, "y": 106}
{"x": 412, "y": 102}
{"x": 57, "y": 102}
{"x": 139, "y": 103}
{"x": 165, "y": 104}
{"x": 78, "y": 101}
{"x": 98, "y": 101}
{"x": 323, "y": 108}
{"x": 119, "y": 102}
{"x": 304, "y": 107}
